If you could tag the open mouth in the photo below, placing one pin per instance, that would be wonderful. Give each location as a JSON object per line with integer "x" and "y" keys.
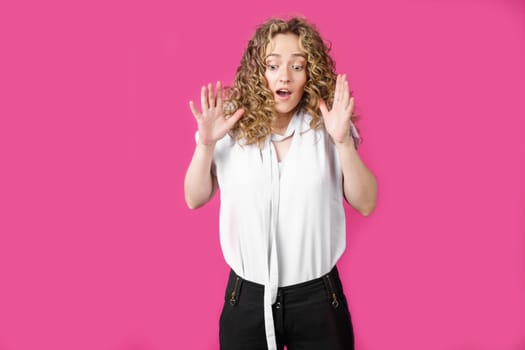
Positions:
{"x": 283, "y": 92}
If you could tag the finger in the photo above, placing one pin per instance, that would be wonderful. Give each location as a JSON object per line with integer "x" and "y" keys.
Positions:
{"x": 346, "y": 92}
{"x": 235, "y": 117}
{"x": 219, "y": 95}
{"x": 337, "y": 94}
{"x": 336, "y": 97}
{"x": 350, "y": 106}
{"x": 211, "y": 96}
{"x": 351, "y": 96}
{"x": 323, "y": 108}
{"x": 204, "y": 99}
{"x": 194, "y": 110}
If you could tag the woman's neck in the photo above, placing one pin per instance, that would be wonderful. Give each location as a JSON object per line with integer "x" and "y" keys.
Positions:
{"x": 280, "y": 124}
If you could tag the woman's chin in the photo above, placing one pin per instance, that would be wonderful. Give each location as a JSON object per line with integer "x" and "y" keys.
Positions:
{"x": 285, "y": 111}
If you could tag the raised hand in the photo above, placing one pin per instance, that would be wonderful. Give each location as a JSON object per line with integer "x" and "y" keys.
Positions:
{"x": 337, "y": 121}
{"x": 212, "y": 122}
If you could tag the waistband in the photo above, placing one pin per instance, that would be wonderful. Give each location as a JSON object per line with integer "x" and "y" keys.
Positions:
{"x": 327, "y": 287}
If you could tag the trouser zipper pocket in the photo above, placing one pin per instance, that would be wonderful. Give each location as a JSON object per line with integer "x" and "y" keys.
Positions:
{"x": 335, "y": 302}
{"x": 233, "y": 298}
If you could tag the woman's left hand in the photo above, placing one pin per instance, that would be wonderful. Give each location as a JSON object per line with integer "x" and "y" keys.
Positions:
{"x": 337, "y": 121}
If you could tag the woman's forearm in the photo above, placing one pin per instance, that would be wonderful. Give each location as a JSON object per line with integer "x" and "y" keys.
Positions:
{"x": 199, "y": 183}
{"x": 359, "y": 184}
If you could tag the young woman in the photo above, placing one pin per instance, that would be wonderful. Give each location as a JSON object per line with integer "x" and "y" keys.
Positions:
{"x": 282, "y": 147}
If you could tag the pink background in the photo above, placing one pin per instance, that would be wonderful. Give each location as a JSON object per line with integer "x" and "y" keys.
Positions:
{"x": 97, "y": 247}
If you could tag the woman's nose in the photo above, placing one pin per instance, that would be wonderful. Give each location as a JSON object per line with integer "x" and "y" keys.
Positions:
{"x": 284, "y": 75}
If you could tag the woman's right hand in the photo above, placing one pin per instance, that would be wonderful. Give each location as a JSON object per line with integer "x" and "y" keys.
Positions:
{"x": 212, "y": 122}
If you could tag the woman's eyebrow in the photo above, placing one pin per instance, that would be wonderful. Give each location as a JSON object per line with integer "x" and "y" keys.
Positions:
{"x": 297, "y": 54}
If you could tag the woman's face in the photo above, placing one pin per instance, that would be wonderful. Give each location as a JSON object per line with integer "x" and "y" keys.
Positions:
{"x": 285, "y": 72}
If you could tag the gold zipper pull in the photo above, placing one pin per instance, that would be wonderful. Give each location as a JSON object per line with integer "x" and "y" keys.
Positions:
{"x": 232, "y": 299}
{"x": 335, "y": 302}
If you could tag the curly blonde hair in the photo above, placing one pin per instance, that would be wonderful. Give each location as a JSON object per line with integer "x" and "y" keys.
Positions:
{"x": 250, "y": 90}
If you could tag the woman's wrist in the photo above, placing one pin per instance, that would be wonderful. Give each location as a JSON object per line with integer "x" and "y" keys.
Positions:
{"x": 347, "y": 143}
{"x": 206, "y": 145}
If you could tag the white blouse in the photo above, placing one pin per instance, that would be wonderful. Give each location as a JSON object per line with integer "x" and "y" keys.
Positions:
{"x": 281, "y": 223}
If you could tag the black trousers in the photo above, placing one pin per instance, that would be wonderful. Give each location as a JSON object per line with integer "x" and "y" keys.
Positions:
{"x": 312, "y": 315}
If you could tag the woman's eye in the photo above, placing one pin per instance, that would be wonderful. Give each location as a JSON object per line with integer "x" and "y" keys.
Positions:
{"x": 271, "y": 66}
{"x": 297, "y": 67}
